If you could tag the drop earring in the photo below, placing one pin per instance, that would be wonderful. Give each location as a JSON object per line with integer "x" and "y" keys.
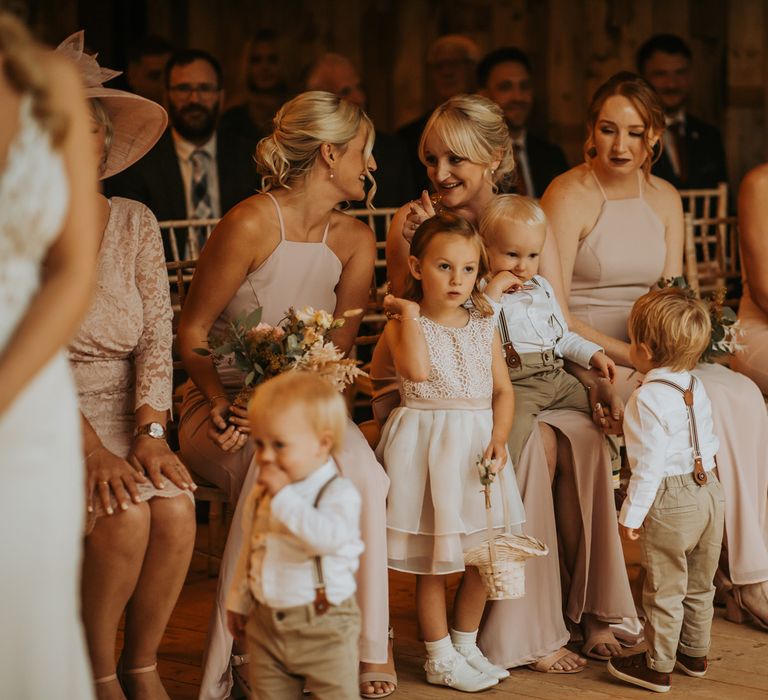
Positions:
{"x": 331, "y": 175}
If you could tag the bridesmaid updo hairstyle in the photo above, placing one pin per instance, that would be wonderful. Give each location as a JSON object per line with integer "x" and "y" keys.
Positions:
{"x": 300, "y": 127}
{"x": 643, "y": 98}
{"x": 450, "y": 224}
{"x": 473, "y": 127}
{"x": 27, "y": 74}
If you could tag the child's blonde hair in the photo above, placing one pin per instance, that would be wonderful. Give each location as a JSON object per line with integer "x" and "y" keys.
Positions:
{"x": 513, "y": 209}
{"x": 322, "y": 404}
{"x": 675, "y": 326}
{"x": 454, "y": 225}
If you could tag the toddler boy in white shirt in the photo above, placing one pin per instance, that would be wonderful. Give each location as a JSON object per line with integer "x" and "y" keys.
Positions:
{"x": 534, "y": 332}
{"x": 674, "y": 501}
{"x": 293, "y": 594}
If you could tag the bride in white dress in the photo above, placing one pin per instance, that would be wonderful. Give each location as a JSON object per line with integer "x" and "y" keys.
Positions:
{"x": 48, "y": 243}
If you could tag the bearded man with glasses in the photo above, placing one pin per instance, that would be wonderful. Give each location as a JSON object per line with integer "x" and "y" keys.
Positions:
{"x": 195, "y": 171}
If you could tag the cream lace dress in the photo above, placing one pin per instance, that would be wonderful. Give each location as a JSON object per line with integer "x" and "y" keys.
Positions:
{"x": 429, "y": 447}
{"x": 121, "y": 356}
{"x": 42, "y": 502}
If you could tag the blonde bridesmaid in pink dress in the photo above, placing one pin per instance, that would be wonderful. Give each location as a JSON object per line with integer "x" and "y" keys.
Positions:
{"x": 288, "y": 247}
{"x": 576, "y": 513}
{"x": 619, "y": 230}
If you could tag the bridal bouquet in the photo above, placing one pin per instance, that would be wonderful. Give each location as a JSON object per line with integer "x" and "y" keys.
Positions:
{"x": 726, "y": 329}
{"x": 298, "y": 342}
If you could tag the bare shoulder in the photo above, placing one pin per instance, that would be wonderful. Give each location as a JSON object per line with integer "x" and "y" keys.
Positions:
{"x": 756, "y": 180}
{"x": 351, "y": 233}
{"x": 576, "y": 182}
{"x": 663, "y": 196}
{"x": 251, "y": 216}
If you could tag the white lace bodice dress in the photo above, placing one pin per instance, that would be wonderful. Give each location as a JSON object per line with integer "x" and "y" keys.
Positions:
{"x": 42, "y": 502}
{"x": 429, "y": 447}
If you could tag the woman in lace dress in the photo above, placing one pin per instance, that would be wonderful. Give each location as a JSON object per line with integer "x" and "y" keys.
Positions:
{"x": 289, "y": 246}
{"x": 619, "y": 229}
{"x": 564, "y": 471}
{"x": 48, "y": 240}
{"x": 141, "y": 525}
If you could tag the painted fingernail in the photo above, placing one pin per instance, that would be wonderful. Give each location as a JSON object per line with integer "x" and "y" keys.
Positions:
{"x": 124, "y": 506}
{"x": 162, "y": 484}
{"x": 110, "y": 511}
{"x": 136, "y": 499}
{"x": 90, "y": 509}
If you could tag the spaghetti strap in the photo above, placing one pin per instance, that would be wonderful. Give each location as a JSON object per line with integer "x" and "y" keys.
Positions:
{"x": 602, "y": 191}
{"x": 325, "y": 233}
{"x": 279, "y": 215}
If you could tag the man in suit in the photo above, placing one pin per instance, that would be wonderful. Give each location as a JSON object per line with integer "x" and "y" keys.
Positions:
{"x": 693, "y": 155}
{"x": 193, "y": 172}
{"x": 504, "y": 76}
{"x": 335, "y": 73}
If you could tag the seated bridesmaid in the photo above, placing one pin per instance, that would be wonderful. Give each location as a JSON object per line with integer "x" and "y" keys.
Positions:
{"x": 288, "y": 246}
{"x": 564, "y": 471}
{"x": 753, "y": 309}
{"x": 141, "y": 521}
{"x": 619, "y": 230}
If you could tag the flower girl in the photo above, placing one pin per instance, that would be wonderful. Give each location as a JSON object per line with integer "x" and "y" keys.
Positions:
{"x": 457, "y": 406}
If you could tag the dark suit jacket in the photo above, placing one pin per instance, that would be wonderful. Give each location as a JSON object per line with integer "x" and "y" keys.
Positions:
{"x": 706, "y": 157}
{"x": 156, "y": 179}
{"x": 546, "y": 161}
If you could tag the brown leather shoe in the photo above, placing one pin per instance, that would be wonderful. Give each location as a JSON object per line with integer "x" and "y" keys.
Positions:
{"x": 695, "y": 666}
{"x": 634, "y": 669}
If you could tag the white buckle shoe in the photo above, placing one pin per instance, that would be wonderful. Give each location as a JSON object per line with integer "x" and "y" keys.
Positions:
{"x": 476, "y": 659}
{"x": 455, "y": 672}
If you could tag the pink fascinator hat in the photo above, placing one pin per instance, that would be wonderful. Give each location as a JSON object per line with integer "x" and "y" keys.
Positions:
{"x": 137, "y": 122}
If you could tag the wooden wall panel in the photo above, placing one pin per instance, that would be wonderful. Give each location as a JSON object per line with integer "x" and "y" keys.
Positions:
{"x": 574, "y": 46}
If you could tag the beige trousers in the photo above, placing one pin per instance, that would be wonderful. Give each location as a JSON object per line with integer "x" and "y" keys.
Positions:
{"x": 541, "y": 383}
{"x": 679, "y": 549}
{"x": 295, "y": 648}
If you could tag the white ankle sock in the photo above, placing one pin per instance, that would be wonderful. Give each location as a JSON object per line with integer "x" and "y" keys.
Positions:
{"x": 461, "y": 639}
{"x": 440, "y": 649}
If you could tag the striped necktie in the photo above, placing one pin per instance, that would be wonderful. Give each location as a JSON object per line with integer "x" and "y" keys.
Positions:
{"x": 200, "y": 194}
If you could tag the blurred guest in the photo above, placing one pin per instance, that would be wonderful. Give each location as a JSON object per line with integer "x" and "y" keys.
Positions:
{"x": 693, "y": 154}
{"x": 192, "y": 172}
{"x": 504, "y": 76}
{"x": 266, "y": 89}
{"x": 335, "y": 73}
{"x": 146, "y": 64}
{"x": 48, "y": 242}
{"x": 452, "y": 60}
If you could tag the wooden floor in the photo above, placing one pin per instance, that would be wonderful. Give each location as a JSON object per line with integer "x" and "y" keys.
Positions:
{"x": 739, "y": 658}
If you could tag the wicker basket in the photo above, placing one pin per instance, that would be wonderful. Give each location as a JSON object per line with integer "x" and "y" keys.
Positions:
{"x": 501, "y": 558}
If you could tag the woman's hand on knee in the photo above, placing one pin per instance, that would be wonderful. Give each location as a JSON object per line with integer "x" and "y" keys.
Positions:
{"x": 108, "y": 475}
{"x": 155, "y": 458}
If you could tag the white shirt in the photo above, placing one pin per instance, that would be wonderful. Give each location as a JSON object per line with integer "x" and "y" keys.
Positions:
{"x": 536, "y": 323}
{"x": 525, "y": 166}
{"x": 184, "y": 151}
{"x": 276, "y": 564}
{"x": 658, "y": 437}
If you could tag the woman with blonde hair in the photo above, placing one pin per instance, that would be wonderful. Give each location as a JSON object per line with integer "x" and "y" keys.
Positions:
{"x": 564, "y": 471}
{"x": 287, "y": 246}
{"x": 619, "y": 230}
{"x": 48, "y": 242}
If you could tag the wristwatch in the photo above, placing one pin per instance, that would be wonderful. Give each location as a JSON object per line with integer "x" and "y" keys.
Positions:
{"x": 154, "y": 430}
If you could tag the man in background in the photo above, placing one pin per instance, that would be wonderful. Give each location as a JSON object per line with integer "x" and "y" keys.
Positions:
{"x": 192, "y": 172}
{"x": 451, "y": 60}
{"x": 146, "y": 66}
{"x": 504, "y": 76}
{"x": 693, "y": 155}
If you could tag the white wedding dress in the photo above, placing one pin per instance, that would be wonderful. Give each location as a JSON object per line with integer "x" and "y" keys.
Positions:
{"x": 42, "y": 501}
